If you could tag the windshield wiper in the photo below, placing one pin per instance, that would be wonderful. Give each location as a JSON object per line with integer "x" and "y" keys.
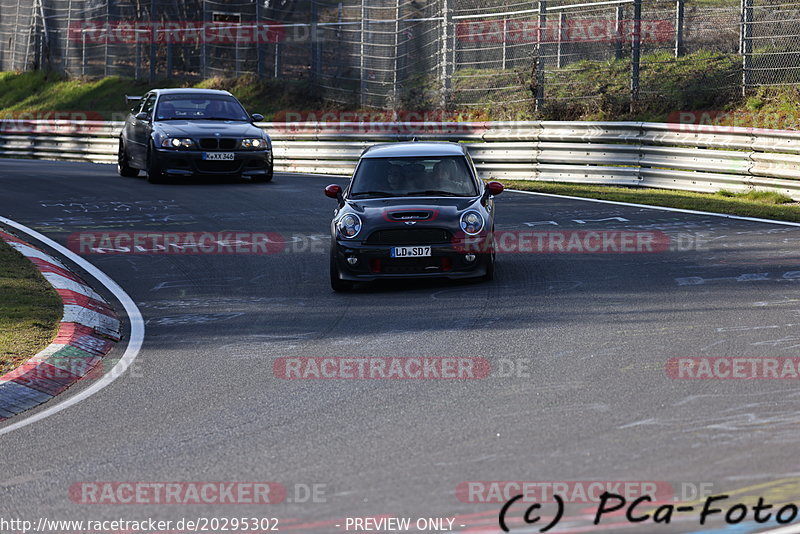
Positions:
{"x": 434, "y": 192}
{"x": 373, "y": 193}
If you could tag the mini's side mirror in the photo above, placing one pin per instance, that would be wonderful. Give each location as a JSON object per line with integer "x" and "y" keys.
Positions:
{"x": 491, "y": 189}
{"x": 257, "y": 117}
{"x": 494, "y": 188}
{"x": 335, "y": 191}
{"x": 142, "y": 116}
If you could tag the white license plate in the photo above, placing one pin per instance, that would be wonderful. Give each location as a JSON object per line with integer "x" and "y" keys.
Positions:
{"x": 218, "y": 156}
{"x": 410, "y": 252}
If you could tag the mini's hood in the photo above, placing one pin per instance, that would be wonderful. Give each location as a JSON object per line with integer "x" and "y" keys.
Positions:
{"x": 441, "y": 210}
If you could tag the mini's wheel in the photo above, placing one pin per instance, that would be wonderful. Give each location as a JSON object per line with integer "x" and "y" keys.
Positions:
{"x": 337, "y": 284}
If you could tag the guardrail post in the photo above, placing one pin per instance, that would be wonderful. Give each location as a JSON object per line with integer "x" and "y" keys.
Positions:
{"x": 204, "y": 41}
{"x": 314, "y": 44}
{"x": 259, "y": 45}
{"x": 447, "y": 24}
{"x": 83, "y": 53}
{"x": 362, "y": 97}
{"x": 396, "y": 66}
{"x": 636, "y": 51}
{"x": 152, "y": 34}
{"x": 562, "y": 19}
{"x": 540, "y": 37}
{"x": 505, "y": 36}
{"x": 746, "y": 44}
{"x": 277, "y": 67}
{"x": 169, "y": 58}
{"x": 679, "y": 49}
{"x": 138, "y": 61}
{"x": 620, "y": 19}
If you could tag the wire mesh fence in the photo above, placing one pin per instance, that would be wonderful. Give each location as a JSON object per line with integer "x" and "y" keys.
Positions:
{"x": 509, "y": 57}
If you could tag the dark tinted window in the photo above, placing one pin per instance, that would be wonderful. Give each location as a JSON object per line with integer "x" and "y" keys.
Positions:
{"x": 147, "y": 105}
{"x": 199, "y": 106}
{"x": 413, "y": 176}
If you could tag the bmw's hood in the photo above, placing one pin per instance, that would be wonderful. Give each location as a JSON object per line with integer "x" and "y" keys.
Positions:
{"x": 208, "y": 128}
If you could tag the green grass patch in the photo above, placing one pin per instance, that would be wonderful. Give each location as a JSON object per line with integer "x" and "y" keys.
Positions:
{"x": 763, "y": 197}
{"x": 30, "y": 309}
{"x": 39, "y": 91}
{"x": 761, "y": 204}
{"x": 600, "y": 90}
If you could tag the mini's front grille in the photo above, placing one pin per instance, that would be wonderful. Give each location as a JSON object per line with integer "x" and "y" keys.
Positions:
{"x": 214, "y": 143}
{"x": 413, "y": 265}
{"x": 409, "y": 236}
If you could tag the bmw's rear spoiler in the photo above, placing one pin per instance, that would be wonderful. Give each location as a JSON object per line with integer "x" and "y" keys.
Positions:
{"x": 132, "y": 100}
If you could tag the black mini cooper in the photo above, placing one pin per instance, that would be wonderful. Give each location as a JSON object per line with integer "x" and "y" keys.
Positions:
{"x": 412, "y": 210}
{"x": 187, "y": 132}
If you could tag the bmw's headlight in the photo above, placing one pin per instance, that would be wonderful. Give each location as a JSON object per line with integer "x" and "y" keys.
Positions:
{"x": 255, "y": 143}
{"x": 349, "y": 225}
{"x": 471, "y": 222}
{"x": 177, "y": 142}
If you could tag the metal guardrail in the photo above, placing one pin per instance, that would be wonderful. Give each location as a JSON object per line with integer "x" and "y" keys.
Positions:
{"x": 670, "y": 156}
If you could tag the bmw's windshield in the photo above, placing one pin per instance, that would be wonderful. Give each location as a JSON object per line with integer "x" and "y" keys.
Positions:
{"x": 413, "y": 176}
{"x": 199, "y": 107}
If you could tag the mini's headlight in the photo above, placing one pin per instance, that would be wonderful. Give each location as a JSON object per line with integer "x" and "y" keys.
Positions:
{"x": 177, "y": 142}
{"x": 349, "y": 225}
{"x": 471, "y": 222}
{"x": 254, "y": 144}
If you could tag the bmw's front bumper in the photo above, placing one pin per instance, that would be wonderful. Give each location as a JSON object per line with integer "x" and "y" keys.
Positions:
{"x": 191, "y": 163}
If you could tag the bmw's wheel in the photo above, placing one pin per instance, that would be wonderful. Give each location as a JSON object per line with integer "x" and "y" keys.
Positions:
{"x": 263, "y": 178}
{"x": 123, "y": 168}
{"x": 154, "y": 173}
{"x": 337, "y": 284}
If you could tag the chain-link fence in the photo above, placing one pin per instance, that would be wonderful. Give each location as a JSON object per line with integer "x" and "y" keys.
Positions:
{"x": 511, "y": 57}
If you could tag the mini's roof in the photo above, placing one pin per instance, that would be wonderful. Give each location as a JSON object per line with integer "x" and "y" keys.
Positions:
{"x": 414, "y": 149}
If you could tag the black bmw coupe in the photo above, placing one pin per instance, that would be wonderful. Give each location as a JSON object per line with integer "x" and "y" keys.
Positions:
{"x": 411, "y": 210}
{"x": 188, "y": 132}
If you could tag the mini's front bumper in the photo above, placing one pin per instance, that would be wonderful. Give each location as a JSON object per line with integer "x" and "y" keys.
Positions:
{"x": 374, "y": 262}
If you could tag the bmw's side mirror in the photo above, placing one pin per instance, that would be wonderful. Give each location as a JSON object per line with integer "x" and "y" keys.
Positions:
{"x": 257, "y": 117}
{"x": 335, "y": 191}
{"x": 142, "y": 116}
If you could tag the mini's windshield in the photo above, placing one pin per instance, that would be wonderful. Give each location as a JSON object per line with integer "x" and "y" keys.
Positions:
{"x": 413, "y": 176}
{"x": 199, "y": 107}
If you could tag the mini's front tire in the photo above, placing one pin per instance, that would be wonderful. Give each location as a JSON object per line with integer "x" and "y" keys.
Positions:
{"x": 337, "y": 284}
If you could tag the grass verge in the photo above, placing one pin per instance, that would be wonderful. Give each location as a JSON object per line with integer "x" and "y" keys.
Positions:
{"x": 104, "y": 98}
{"x": 752, "y": 204}
{"x": 30, "y": 309}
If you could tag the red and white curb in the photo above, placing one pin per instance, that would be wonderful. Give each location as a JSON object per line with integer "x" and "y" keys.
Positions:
{"x": 88, "y": 331}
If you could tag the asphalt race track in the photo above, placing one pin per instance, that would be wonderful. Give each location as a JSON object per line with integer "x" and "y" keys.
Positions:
{"x": 578, "y": 344}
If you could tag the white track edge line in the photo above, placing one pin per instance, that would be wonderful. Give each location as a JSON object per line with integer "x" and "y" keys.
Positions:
{"x": 791, "y": 529}
{"x": 662, "y": 208}
{"x": 131, "y": 351}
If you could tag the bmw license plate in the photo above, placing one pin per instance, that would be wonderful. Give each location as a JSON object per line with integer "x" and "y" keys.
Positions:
{"x": 410, "y": 252}
{"x": 218, "y": 156}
